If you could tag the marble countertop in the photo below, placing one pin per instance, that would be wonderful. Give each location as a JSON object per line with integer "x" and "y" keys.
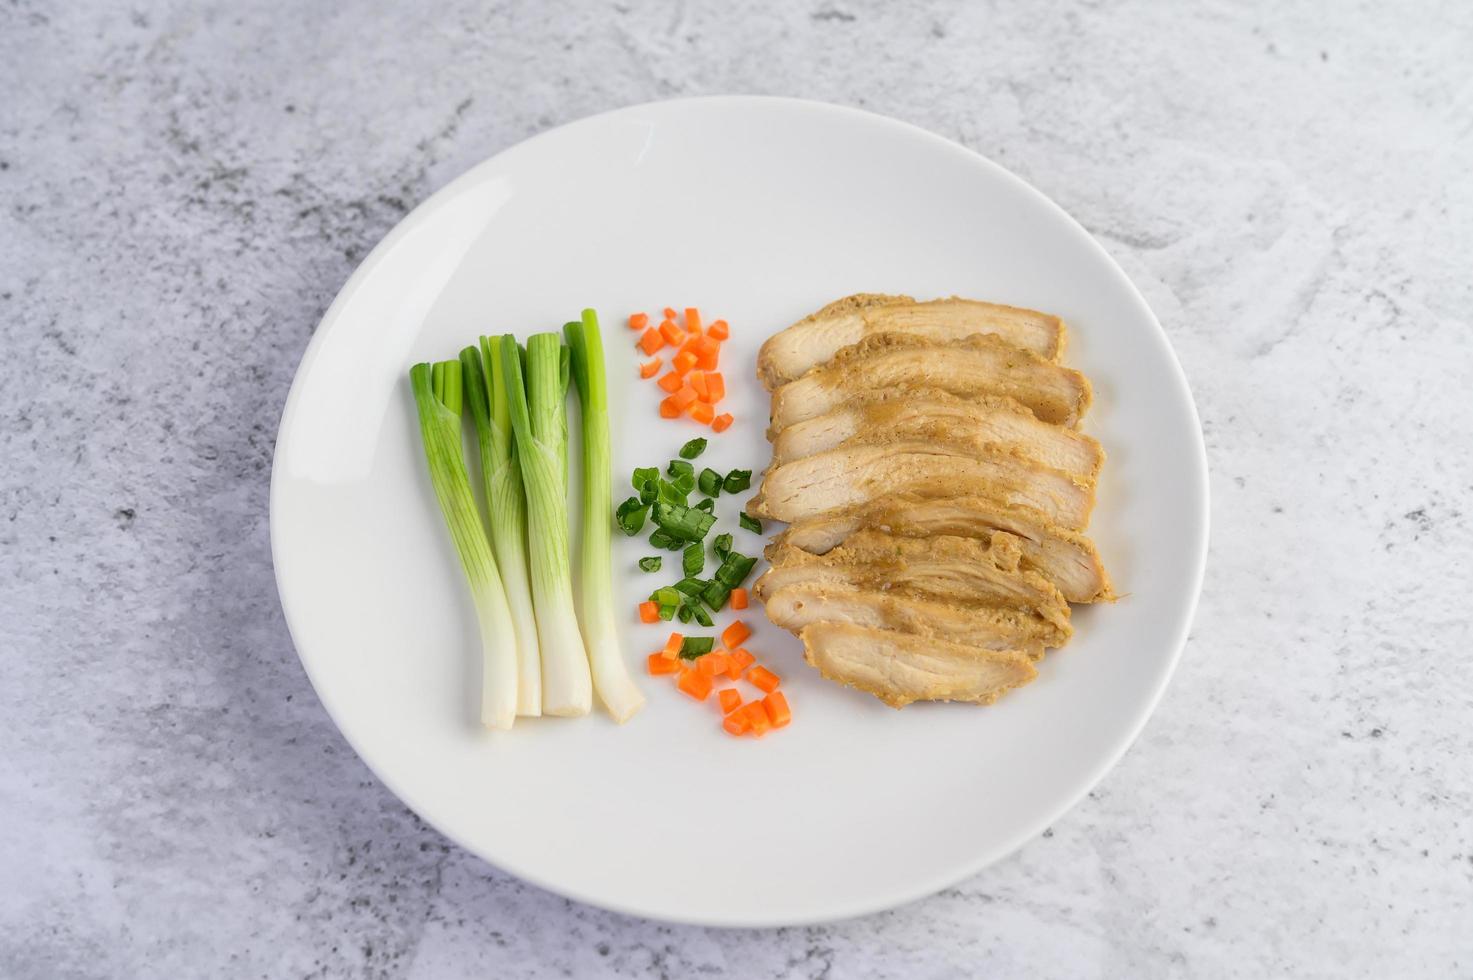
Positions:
{"x": 184, "y": 187}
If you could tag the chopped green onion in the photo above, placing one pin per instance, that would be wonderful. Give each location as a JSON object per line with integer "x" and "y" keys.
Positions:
{"x": 437, "y": 396}
{"x": 709, "y": 482}
{"x": 733, "y": 569}
{"x": 692, "y": 647}
{"x": 596, "y": 583}
{"x": 679, "y": 468}
{"x": 684, "y": 613}
{"x": 690, "y": 586}
{"x": 693, "y": 448}
{"x": 715, "y": 595}
{"x": 700, "y": 616}
{"x": 737, "y": 480}
{"x": 538, "y": 417}
{"x": 708, "y": 505}
{"x": 506, "y": 506}
{"x": 750, "y": 523}
{"x": 667, "y": 612}
{"x": 721, "y": 544}
{"x": 693, "y": 559}
{"x": 644, "y": 475}
{"x": 668, "y": 492}
{"x": 650, "y": 564}
{"x": 663, "y": 539}
{"x": 684, "y": 523}
{"x": 684, "y": 483}
{"x": 630, "y": 516}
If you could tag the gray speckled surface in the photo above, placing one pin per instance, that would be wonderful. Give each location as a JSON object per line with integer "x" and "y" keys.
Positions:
{"x": 184, "y": 187}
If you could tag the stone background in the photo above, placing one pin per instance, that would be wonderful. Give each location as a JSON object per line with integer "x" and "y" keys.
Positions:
{"x": 185, "y": 186}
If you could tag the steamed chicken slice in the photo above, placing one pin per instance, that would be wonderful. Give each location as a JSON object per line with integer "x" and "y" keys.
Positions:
{"x": 946, "y": 569}
{"x": 1066, "y": 558}
{"x": 817, "y": 338}
{"x": 801, "y": 604}
{"x": 931, "y": 414}
{"x": 851, "y": 476}
{"x": 978, "y": 365}
{"x": 899, "y": 668}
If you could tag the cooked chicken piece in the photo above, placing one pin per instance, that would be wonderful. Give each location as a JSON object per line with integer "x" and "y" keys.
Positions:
{"x": 802, "y": 604}
{"x": 979, "y": 365}
{"x": 846, "y": 477}
{"x": 927, "y": 414}
{"x": 1068, "y": 559}
{"x": 899, "y": 668}
{"x": 957, "y": 570}
{"x": 817, "y": 338}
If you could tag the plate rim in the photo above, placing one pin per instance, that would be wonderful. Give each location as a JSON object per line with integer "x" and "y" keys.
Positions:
{"x": 954, "y": 874}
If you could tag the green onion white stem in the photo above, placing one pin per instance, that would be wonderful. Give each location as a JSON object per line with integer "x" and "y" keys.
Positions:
{"x": 539, "y": 420}
{"x": 437, "y": 394}
{"x": 501, "y": 477}
{"x": 596, "y": 593}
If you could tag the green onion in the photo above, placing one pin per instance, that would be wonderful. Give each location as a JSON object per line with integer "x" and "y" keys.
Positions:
{"x": 700, "y": 615}
{"x": 596, "y": 581}
{"x": 750, "y": 523}
{"x": 684, "y": 613}
{"x": 684, "y": 483}
{"x": 650, "y": 564}
{"x": 693, "y": 559}
{"x": 715, "y": 596}
{"x": 662, "y": 539}
{"x": 693, "y": 448}
{"x": 696, "y": 646}
{"x": 683, "y": 523}
{"x": 668, "y": 492}
{"x": 709, "y": 482}
{"x": 733, "y": 569}
{"x": 644, "y": 475}
{"x": 538, "y": 418}
{"x": 437, "y": 396}
{"x": 721, "y": 544}
{"x": 679, "y": 468}
{"x": 630, "y": 516}
{"x": 737, "y": 480}
{"x": 506, "y": 505}
{"x": 690, "y": 586}
{"x": 708, "y": 505}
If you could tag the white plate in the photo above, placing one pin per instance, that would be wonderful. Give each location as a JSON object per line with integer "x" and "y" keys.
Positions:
{"x": 758, "y": 211}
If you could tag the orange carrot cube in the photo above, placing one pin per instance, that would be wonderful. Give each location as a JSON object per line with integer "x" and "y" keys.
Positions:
{"x": 670, "y": 382}
{"x": 651, "y": 341}
{"x": 685, "y": 397}
{"x": 757, "y": 718}
{"x": 696, "y": 684}
{"x": 715, "y": 386}
{"x": 730, "y": 700}
{"x": 684, "y": 361}
{"x": 661, "y": 664}
{"x": 763, "y": 679}
{"x": 668, "y": 409}
{"x": 638, "y": 321}
{"x": 739, "y": 598}
{"x": 737, "y": 722}
{"x": 702, "y": 412}
{"x": 733, "y": 635}
{"x": 722, "y": 422}
{"x": 777, "y": 709}
{"x": 712, "y": 664}
{"x": 650, "y": 368}
{"x": 649, "y": 612}
{"x": 718, "y": 329}
{"x": 673, "y": 335}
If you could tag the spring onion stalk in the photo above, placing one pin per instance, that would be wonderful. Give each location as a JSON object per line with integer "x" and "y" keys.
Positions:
{"x": 437, "y": 394}
{"x": 538, "y": 421}
{"x": 501, "y": 477}
{"x": 596, "y": 576}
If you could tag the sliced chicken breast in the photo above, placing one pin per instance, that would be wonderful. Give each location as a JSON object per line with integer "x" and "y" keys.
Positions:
{"x": 815, "y": 339}
{"x": 928, "y": 414}
{"x": 805, "y": 603}
{"x": 946, "y": 569}
{"x": 899, "y": 668}
{"x": 1064, "y": 557}
{"x": 978, "y": 365}
{"x": 851, "y": 476}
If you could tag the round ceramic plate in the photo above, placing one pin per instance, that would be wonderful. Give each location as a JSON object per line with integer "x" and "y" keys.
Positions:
{"x": 758, "y": 211}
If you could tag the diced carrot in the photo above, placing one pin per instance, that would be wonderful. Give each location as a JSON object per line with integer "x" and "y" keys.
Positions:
{"x": 671, "y": 382}
{"x": 712, "y": 664}
{"x": 696, "y": 684}
{"x": 733, "y": 635}
{"x": 651, "y": 341}
{"x": 697, "y": 380}
{"x": 739, "y": 598}
{"x": 722, "y": 422}
{"x": 718, "y": 329}
{"x": 668, "y": 409}
{"x": 740, "y": 661}
{"x": 661, "y": 664}
{"x": 701, "y": 412}
{"x": 649, "y": 612}
{"x": 670, "y": 313}
{"x": 685, "y": 397}
{"x": 692, "y": 319}
{"x": 638, "y": 321}
{"x": 757, "y": 718}
{"x": 763, "y": 679}
{"x": 730, "y": 698}
{"x": 715, "y": 386}
{"x": 650, "y": 368}
{"x": 737, "y": 722}
{"x": 710, "y": 360}
{"x": 777, "y": 709}
{"x": 708, "y": 345}
{"x": 672, "y": 646}
{"x": 673, "y": 335}
{"x": 684, "y": 361}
